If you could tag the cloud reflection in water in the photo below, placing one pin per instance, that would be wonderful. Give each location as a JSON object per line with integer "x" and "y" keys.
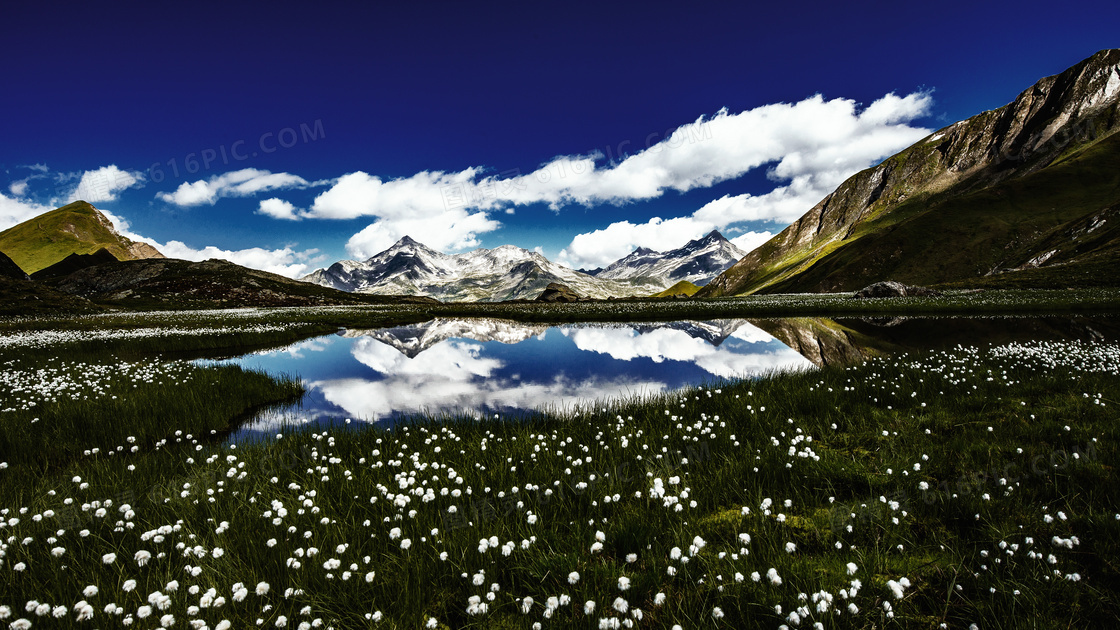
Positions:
{"x": 490, "y": 366}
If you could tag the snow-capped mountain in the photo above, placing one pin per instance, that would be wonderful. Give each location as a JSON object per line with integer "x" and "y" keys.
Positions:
{"x": 413, "y": 339}
{"x": 698, "y": 261}
{"x": 502, "y": 273}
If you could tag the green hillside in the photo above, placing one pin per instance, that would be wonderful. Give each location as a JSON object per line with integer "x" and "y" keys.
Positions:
{"x": 1068, "y": 212}
{"x": 76, "y": 228}
{"x": 684, "y": 287}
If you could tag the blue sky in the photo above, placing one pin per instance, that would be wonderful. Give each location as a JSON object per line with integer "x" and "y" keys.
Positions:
{"x": 286, "y": 136}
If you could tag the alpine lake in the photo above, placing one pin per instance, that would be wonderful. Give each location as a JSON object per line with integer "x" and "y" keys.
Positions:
{"x": 478, "y": 367}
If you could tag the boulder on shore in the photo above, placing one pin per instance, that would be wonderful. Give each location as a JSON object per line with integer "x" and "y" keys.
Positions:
{"x": 890, "y": 288}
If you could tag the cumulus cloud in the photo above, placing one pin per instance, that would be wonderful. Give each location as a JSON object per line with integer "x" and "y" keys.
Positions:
{"x": 416, "y": 206}
{"x": 359, "y": 194}
{"x": 243, "y": 183}
{"x": 104, "y": 184}
{"x": 450, "y": 230}
{"x": 278, "y": 209}
{"x": 14, "y": 211}
{"x": 751, "y": 240}
{"x": 816, "y": 145}
{"x": 810, "y": 146}
{"x": 286, "y": 261}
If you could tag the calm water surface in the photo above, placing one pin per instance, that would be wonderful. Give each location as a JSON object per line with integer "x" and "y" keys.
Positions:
{"x": 479, "y": 367}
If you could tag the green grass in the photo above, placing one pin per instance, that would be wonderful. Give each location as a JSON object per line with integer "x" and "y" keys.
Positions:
{"x": 682, "y": 288}
{"x": 958, "y": 422}
{"x": 951, "y": 237}
{"x": 104, "y": 404}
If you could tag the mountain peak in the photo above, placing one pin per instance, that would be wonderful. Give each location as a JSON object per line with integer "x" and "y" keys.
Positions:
{"x": 76, "y": 228}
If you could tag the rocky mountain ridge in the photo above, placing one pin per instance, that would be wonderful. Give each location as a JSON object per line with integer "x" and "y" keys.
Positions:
{"x": 698, "y": 261}
{"x": 503, "y": 273}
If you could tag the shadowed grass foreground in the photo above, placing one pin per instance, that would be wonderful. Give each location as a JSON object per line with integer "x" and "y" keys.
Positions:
{"x": 972, "y": 486}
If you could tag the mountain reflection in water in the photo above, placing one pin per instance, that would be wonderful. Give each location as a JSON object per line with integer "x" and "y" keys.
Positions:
{"x": 487, "y": 366}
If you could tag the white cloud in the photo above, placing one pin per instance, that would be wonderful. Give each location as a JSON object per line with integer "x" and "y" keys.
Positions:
{"x": 602, "y": 247}
{"x": 750, "y": 241}
{"x": 18, "y": 187}
{"x": 15, "y": 211}
{"x": 415, "y": 206}
{"x": 278, "y": 209}
{"x": 359, "y": 194}
{"x": 286, "y": 261}
{"x": 104, "y": 183}
{"x": 817, "y": 144}
{"x": 450, "y": 230}
{"x": 242, "y": 183}
{"x": 813, "y": 145}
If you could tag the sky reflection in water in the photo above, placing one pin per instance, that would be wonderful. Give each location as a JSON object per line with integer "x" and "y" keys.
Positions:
{"x": 490, "y": 366}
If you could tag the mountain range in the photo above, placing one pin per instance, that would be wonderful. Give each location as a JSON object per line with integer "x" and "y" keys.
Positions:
{"x": 510, "y": 273}
{"x": 1026, "y": 195}
{"x": 413, "y": 339}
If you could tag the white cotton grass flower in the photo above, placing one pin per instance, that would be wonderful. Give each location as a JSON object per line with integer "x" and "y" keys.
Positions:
{"x": 623, "y": 583}
{"x": 573, "y": 578}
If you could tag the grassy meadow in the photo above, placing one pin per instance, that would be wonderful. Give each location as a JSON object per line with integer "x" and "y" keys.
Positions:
{"x": 973, "y": 486}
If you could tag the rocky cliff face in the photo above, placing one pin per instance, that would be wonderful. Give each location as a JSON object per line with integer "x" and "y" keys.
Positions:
{"x": 1048, "y": 121}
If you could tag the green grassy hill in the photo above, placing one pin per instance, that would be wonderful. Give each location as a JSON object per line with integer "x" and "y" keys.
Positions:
{"x": 76, "y": 228}
{"x": 1066, "y": 215}
{"x": 684, "y": 287}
